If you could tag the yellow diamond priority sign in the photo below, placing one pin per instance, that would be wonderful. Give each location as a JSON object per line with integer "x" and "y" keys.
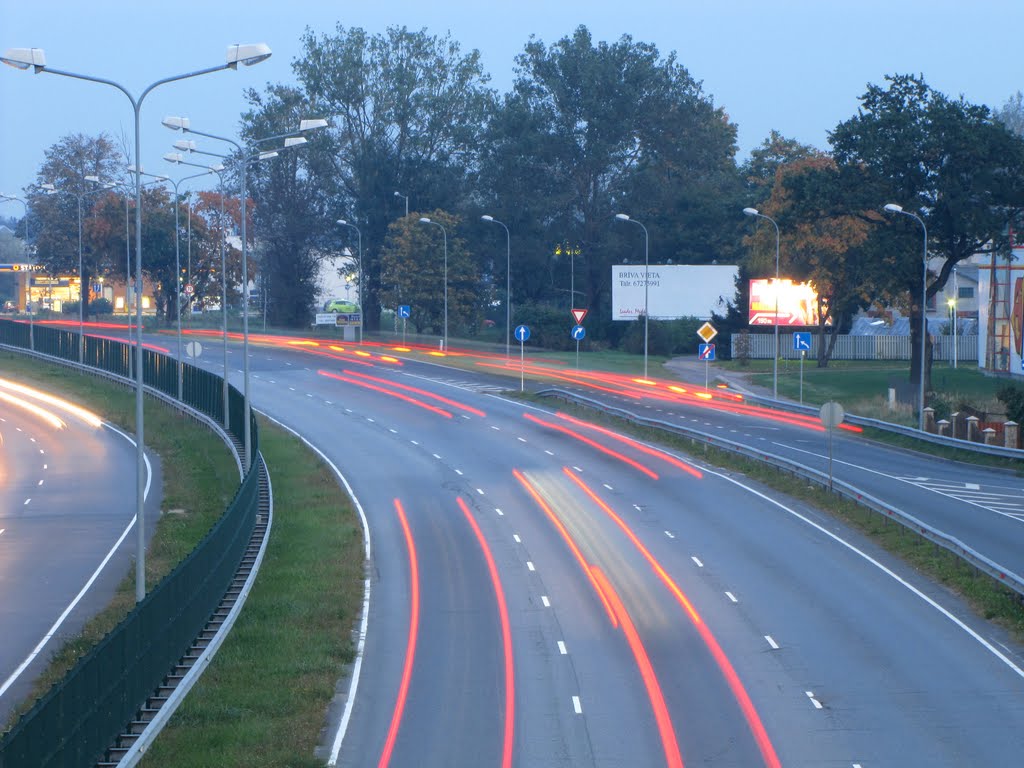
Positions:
{"x": 707, "y": 332}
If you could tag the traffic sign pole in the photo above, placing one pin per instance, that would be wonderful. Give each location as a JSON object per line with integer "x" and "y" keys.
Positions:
{"x": 803, "y": 354}
{"x": 522, "y": 333}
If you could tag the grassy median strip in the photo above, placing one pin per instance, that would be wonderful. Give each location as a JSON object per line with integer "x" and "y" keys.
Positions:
{"x": 985, "y": 597}
{"x": 262, "y": 701}
{"x": 199, "y": 480}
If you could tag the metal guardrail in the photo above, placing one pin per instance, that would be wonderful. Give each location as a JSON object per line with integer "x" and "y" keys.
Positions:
{"x": 951, "y": 544}
{"x": 899, "y": 429}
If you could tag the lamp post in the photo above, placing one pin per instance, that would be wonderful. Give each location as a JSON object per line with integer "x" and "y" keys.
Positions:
{"x": 406, "y": 198}
{"x": 775, "y": 356}
{"x": 426, "y": 220}
{"x": 183, "y": 124}
{"x": 23, "y": 58}
{"x": 28, "y": 284}
{"x": 647, "y": 265}
{"x": 362, "y": 309}
{"x": 894, "y": 208}
{"x": 508, "y": 283}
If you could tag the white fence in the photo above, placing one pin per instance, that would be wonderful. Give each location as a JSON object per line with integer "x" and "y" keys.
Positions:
{"x": 857, "y": 347}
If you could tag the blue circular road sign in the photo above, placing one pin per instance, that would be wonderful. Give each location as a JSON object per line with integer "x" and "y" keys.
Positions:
{"x": 522, "y": 333}
{"x": 578, "y": 332}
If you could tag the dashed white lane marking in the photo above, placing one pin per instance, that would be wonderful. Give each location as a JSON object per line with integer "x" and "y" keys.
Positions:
{"x": 576, "y": 706}
{"x": 521, "y": 439}
{"x": 577, "y": 469}
{"x": 480, "y": 491}
{"x": 436, "y": 456}
{"x": 697, "y": 561}
{"x": 561, "y": 648}
{"x": 529, "y": 565}
{"x": 543, "y": 598}
{"x": 393, "y": 431}
{"x": 972, "y": 486}
{"x": 32, "y": 439}
{"x": 414, "y": 442}
{"x": 26, "y": 502}
{"x": 326, "y": 401}
{"x": 814, "y": 701}
{"x": 370, "y": 420}
{"x": 731, "y": 597}
{"x": 549, "y": 453}
{"x": 607, "y": 486}
{"x": 309, "y": 394}
{"x": 458, "y": 472}
{"x": 515, "y": 537}
{"x": 464, "y": 416}
{"x": 500, "y": 513}
{"x": 496, "y": 429}
{"x": 771, "y": 642}
{"x": 2, "y": 531}
{"x": 46, "y": 466}
{"x": 637, "y": 508}
{"x": 347, "y": 410}
{"x": 669, "y": 534}
{"x": 40, "y": 482}
{"x": 292, "y": 388}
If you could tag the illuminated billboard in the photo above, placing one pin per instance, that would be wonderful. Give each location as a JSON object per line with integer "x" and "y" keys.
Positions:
{"x": 672, "y": 290}
{"x": 797, "y": 303}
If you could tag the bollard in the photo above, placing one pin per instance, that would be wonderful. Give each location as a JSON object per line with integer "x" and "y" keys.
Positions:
{"x": 943, "y": 427}
{"x": 929, "y": 419}
{"x": 957, "y": 420}
{"x": 892, "y": 398}
{"x": 988, "y": 436}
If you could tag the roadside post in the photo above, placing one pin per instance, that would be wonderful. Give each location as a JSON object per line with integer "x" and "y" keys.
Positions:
{"x": 832, "y": 416}
{"x": 578, "y": 331}
{"x": 522, "y": 334}
{"x": 706, "y": 351}
{"x": 802, "y": 344}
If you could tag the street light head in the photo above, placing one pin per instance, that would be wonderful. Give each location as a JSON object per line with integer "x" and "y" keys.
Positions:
{"x": 247, "y": 54}
{"x": 399, "y": 194}
{"x": 295, "y": 141}
{"x": 184, "y": 145}
{"x": 425, "y": 220}
{"x": 893, "y": 208}
{"x": 176, "y": 123}
{"x": 269, "y": 155}
{"x": 313, "y": 124}
{"x": 622, "y": 217}
{"x": 23, "y": 58}
{"x": 485, "y": 217}
{"x": 342, "y": 222}
{"x": 217, "y": 167}
{"x": 174, "y": 157}
{"x": 751, "y": 212}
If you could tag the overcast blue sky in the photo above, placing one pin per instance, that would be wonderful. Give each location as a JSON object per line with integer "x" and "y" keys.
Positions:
{"x": 797, "y": 66}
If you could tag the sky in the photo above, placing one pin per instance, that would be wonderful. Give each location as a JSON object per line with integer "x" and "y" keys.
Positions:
{"x": 795, "y": 66}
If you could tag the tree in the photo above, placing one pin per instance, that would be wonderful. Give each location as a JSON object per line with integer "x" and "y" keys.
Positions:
{"x": 412, "y": 266}
{"x": 946, "y": 159}
{"x": 294, "y": 220}
{"x": 408, "y": 109}
{"x": 775, "y": 152}
{"x": 1011, "y": 114}
{"x": 589, "y": 130}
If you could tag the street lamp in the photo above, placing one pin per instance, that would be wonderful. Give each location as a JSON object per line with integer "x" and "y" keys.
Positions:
{"x": 28, "y": 284}
{"x": 894, "y": 208}
{"x": 426, "y": 220}
{"x": 362, "y": 309}
{"x": 508, "y": 283}
{"x": 24, "y": 58}
{"x": 647, "y": 265}
{"x": 775, "y": 357}
{"x": 406, "y": 198}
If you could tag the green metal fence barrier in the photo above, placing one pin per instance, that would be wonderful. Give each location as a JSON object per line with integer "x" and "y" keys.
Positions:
{"x": 73, "y": 723}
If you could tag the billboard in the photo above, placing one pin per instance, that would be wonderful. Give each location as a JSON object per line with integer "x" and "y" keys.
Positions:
{"x": 797, "y": 303}
{"x": 673, "y": 290}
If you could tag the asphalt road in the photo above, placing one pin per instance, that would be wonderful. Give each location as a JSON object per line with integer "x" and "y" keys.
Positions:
{"x": 67, "y": 499}
{"x": 548, "y": 595}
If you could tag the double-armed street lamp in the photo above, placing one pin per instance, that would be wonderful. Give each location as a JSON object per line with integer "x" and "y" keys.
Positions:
{"x": 35, "y": 58}
{"x": 647, "y": 268}
{"x": 362, "y": 309}
{"x": 775, "y": 357}
{"x": 894, "y": 208}
{"x": 406, "y": 198}
{"x": 508, "y": 282}
{"x": 426, "y": 220}
{"x": 28, "y": 285}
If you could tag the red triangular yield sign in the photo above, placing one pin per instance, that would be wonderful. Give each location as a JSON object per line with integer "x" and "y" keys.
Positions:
{"x": 578, "y": 315}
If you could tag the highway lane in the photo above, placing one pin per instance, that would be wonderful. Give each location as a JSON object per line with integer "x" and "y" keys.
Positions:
{"x": 66, "y": 501}
{"x": 806, "y": 622}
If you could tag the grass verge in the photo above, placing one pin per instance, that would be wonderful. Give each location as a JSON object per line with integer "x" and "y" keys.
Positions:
{"x": 262, "y": 700}
{"x": 984, "y": 596}
{"x": 199, "y": 480}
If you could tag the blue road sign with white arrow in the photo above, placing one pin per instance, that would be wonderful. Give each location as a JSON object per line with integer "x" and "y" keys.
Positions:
{"x": 522, "y": 333}
{"x": 706, "y": 352}
{"x": 403, "y": 311}
{"x": 802, "y": 341}
{"x": 578, "y": 332}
